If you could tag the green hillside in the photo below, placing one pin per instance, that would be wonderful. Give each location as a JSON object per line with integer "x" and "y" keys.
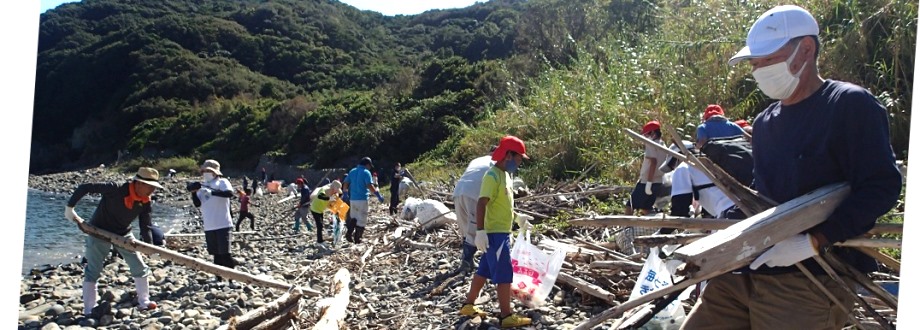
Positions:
{"x": 319, "y": 83}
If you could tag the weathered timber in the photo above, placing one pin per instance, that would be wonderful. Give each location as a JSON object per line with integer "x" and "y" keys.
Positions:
{"x": 596, "y": 191}
{"x": 691, "y": 223}
{"x": 616, "y": 265}
{"x": 616, "y": 311}
{"x": 874, "y": 243}
{"x": 883, "y": 258}
{"x": 849, "y": 288}
{"x": 739, "y": 244}
{"x": 284, "y": 320}
{"x": 588, "y": 288}
{"x": 267, "y": 312}
{"x": 178, "y": 258}
{"x": 334, "y": 308}
{"x": 659, "y": 240}
{"x": 863, "y": 280}
{"x": 659, "y": 222}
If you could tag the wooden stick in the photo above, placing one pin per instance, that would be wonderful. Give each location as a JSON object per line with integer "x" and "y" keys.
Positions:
{"x": 863, "y": 280}
{"x": 266, "y": 312}
{"x": 667, "y": 222}
{"x": 282, "y": 321}
{"x": 690, "y": 223}
{"x": 659, "y": 240}
{"x": 598, "y": 191}
{"x": 334, "y": 308}
{"x": 831, "y": 296}
{"x": 588, "y": 288}
{"x": 849, "y": 289}
{"x": 616, "y": 265}
{"x": 202, "y": 234}
{"x": 193, "y": 263}
{"x": 612, "y": 253}
{"x": 616, "y": 311}
{"x": 883, "y": 258}
{"x": 873, "y": 243}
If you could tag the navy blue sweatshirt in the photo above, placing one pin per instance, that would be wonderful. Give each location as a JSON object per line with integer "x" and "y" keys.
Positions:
{"x": 111, "y": 214}
{"x": 838, "y": 134}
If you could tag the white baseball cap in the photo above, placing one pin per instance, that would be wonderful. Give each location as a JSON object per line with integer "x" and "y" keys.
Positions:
{"x": 774, "y": 29}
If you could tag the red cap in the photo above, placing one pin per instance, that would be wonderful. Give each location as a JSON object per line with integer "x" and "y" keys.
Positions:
{"x": 298, "y": 181}
{"x": 509, "y": 143}
{"x": 743, "y": 123}
{"x": 650, "y": 126}
{"x": 712, "y": 110}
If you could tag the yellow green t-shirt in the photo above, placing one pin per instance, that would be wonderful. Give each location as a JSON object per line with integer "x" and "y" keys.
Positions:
{"x": 321, "y": 201}
{"x": 496, "y": 185}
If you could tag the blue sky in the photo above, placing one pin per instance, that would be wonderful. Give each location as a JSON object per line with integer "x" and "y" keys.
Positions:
{"x": 403, "y": 7}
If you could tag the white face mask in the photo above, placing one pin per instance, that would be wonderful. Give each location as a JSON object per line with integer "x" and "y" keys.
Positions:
{"x": 776, "y": 81}
{"x": 208, "y": 176}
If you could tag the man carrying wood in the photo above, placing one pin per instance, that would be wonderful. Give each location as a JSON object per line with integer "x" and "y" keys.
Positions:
{"x": 818, "y": 133}
{"x": 494, "y": 215}
{"x": 119, "y": 206}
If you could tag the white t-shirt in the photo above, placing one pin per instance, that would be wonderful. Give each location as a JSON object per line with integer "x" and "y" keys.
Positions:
{"x": 471, "y": 180}
{"x": 712, "y": 199}
{"x": 215, "y": 210}
{"x": 655, "y": 153}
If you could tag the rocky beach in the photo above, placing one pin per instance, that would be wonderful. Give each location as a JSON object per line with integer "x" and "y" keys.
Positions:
{"x": 409, "y": 284}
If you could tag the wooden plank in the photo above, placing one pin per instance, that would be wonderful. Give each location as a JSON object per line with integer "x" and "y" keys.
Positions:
{"x": 739, "y": 244}
{"x": 178, "y": 258}
{"x": 588, "y": 288}
{"x": 333, "y": 309}
{"x": 658, "y": 222}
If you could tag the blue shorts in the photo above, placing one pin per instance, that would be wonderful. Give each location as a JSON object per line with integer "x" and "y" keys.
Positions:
{"x": 495, "y": 264}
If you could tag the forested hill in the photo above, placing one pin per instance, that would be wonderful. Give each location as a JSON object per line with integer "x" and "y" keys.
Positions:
{"x": 317, "y": 83}
{"x": 314, "y": 81}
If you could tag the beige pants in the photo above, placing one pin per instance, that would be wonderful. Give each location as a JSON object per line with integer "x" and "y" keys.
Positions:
{"x": 465, "y": 208}
{"x": 753, "y": 301}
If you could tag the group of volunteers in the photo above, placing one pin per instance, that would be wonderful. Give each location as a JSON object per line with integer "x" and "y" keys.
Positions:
{"x": 819, "y": 131}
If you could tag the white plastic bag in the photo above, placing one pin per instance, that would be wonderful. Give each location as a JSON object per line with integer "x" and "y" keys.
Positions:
{"x": 432, "y": 214}
{"x": 655, "y": 275}
{"x": 534, "y": 271}
{"x": 428, "y": 213}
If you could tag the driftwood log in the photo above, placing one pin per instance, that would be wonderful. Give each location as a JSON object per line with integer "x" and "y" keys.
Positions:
{"x": 588, "y": 288}
{"x": 333, "y": 308}
{"x": 616, "y": 265}
{"x": 178, "y": 258}
{"x": 267, "y": 312}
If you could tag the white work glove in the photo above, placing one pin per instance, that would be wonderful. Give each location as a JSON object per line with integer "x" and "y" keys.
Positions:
{"x": 648, "y": 188}
{"x": 523, "y": 221}
{"x": 69, "y": 214}
{"x": 787, "y": 252}
{"x": 482, "y": 240}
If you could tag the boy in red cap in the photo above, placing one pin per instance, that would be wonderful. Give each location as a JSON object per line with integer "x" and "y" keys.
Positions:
{"x": 494, "y": 215}
{"x": 715, "y": 125}
{"x": 303, "y": 207}
{"x": 643, "y": 195}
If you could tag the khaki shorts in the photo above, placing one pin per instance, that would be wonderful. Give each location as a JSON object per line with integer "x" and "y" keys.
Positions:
{"x": 757, "y": 301}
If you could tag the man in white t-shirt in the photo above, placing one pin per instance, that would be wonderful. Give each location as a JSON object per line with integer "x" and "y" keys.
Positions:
{"x": 466, "y": 195}
{"x": 212, "y": 197}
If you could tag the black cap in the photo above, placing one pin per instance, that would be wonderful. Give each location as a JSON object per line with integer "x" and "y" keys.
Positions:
{"x": 366, "y": 161}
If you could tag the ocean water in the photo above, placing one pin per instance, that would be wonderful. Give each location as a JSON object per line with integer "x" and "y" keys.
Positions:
{"x": 51, "y": 239}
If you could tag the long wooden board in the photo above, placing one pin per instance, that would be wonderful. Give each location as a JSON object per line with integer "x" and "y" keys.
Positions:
{"x": 740, "y": 243}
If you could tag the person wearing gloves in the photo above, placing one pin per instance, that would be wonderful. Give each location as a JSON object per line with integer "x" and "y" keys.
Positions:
{"x": 466, "y": 196}
{"x": 643, "y": 196}
{"x": 358, "y": 183}
{"x": 118, "y": 206}
{"x": 212, "y": 197}
{"x": 303, "y": 206}
{"x": 494, "y": 216}
{"x": 819, "y": 132}
{"x": 715, "y": 125}
{"x": 320, "y": 202}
